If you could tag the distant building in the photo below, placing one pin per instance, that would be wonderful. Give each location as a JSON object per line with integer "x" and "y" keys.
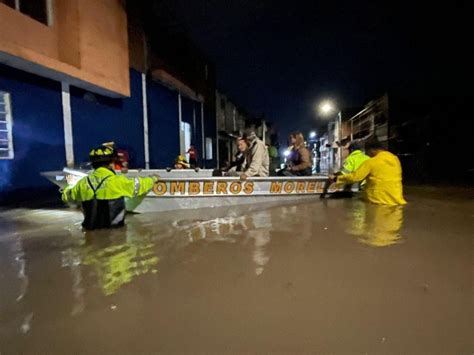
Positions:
{"x": 430, "y": 136}
{"x": 231, "y": 123}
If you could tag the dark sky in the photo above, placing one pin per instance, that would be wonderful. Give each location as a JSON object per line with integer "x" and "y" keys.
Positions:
{"x": 281, "y": 58}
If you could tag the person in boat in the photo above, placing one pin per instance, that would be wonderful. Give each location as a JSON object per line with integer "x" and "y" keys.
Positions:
{"x": 192, "y": 151}
{"x": 257, "y": 161}
{"x": 274, "y": 159}
{"x": 383, "y": 172}
{"x": 181, "y": 163}
{"x": 299, "y": 160}
{"x": 102, "y": 193}
{"x": 239, "y": 161}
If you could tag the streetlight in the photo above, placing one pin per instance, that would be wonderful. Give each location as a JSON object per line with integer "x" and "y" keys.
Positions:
{"x": 325, "y": 109}
{"x": 312, "y": 134}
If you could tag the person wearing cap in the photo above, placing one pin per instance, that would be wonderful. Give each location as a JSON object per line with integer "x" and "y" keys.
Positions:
{"x": 257, "y": 162}
{"x": 102, "y": 193}
{"x": 383, "y": 173}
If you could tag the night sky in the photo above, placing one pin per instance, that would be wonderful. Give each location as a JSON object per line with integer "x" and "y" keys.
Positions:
{"x": 281, "y": 58}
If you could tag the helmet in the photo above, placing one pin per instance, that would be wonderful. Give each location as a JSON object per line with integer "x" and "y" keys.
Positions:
{"x": 101, "y": 154}
{"x": 181, "y": 159}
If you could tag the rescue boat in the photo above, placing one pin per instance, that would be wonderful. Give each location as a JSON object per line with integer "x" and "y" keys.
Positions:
{"x": 190, "y": 189}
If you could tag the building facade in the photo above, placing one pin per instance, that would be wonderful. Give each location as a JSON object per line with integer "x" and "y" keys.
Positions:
{"x": 75, "y": 74}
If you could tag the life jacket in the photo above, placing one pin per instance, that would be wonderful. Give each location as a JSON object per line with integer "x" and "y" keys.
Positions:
{"x": 103, "y": 213}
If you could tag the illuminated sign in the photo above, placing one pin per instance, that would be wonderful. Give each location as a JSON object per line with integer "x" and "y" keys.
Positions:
{"x": 179, "y": 188}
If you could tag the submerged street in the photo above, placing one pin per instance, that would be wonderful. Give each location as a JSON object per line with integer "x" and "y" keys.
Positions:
{"x": 326, "y": 276}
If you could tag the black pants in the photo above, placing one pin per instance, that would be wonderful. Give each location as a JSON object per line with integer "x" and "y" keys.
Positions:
{"x": 287, "y": 172}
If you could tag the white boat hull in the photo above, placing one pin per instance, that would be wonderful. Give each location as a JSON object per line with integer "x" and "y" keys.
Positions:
{"x": 190, "y": 189}
{"x": 195, "y": 193}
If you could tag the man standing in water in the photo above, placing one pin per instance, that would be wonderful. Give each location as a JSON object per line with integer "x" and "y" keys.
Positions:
{"x": 383, "y": 173}
{"x": 355, "y": 158}
{"x": 102, "y": 193}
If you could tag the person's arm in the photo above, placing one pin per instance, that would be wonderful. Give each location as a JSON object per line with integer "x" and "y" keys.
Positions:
{"x": 359, "y": 175}
{"x": 71, "y": 193}
{"x": 68, "y": 195}
{"x": 257, "y": 160}
{"x": 305, "y": 161}
{"x": 137, "y": 186}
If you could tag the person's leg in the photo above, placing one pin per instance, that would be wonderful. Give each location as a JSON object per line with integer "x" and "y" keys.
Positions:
{"x": 285, "y": 172}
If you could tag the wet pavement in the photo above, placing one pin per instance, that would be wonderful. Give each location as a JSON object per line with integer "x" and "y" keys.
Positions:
{"x": 333, "y": 276}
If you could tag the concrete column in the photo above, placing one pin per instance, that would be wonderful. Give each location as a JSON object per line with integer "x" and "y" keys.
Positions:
{"x": 203, "y": 152}
{"x": 67, "y": 119}
{"x": 146, "y": 141}
{"x": 180, "y": 117}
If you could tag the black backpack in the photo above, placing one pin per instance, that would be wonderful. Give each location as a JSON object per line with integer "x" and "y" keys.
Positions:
{"x": 103, "y": 213}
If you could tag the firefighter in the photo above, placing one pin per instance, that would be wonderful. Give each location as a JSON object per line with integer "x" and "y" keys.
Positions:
{"x": 102, "y": 193}
{"x": 181, "y": 163}
{"x": 383, "y": 172}
{"x": 355, "y": 158}
{"x": 353, "y": 161}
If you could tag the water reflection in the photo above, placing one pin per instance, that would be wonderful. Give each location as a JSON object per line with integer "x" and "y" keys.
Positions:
{"x": 261, "y": 235}
{"x": 116, "y": 256}
{"x": 375, "y": 225}
{"x": 230, "y": 229}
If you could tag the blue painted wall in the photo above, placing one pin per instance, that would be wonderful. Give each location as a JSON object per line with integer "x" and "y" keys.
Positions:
{"x": 38, "y": 132}
{"x": 163, "y": 125}
{"x": 97, "y": 119}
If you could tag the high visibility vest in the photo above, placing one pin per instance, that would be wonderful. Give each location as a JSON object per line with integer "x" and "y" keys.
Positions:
{"x": 102, "y": 193}
{"x": 354, "y": 161}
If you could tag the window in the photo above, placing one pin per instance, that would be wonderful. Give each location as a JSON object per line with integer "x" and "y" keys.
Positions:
{"x": 185, "y": 137}
{"x": 209, "y": 155}
{"x": 6, "y": 138}
{"x": 40, "y": 10}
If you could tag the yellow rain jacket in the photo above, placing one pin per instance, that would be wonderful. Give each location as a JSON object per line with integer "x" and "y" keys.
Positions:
{"x": 102, "y": 196}
{"x": 384, "y": 179}
{"x": 115, "y": 186}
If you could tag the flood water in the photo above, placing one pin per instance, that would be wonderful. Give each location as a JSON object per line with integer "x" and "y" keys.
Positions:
{"x": 328, "y": 276}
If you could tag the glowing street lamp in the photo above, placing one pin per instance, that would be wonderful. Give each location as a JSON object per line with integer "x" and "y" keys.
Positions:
{"x": 326, "y": 108}
{"x": 312, "y": 134}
